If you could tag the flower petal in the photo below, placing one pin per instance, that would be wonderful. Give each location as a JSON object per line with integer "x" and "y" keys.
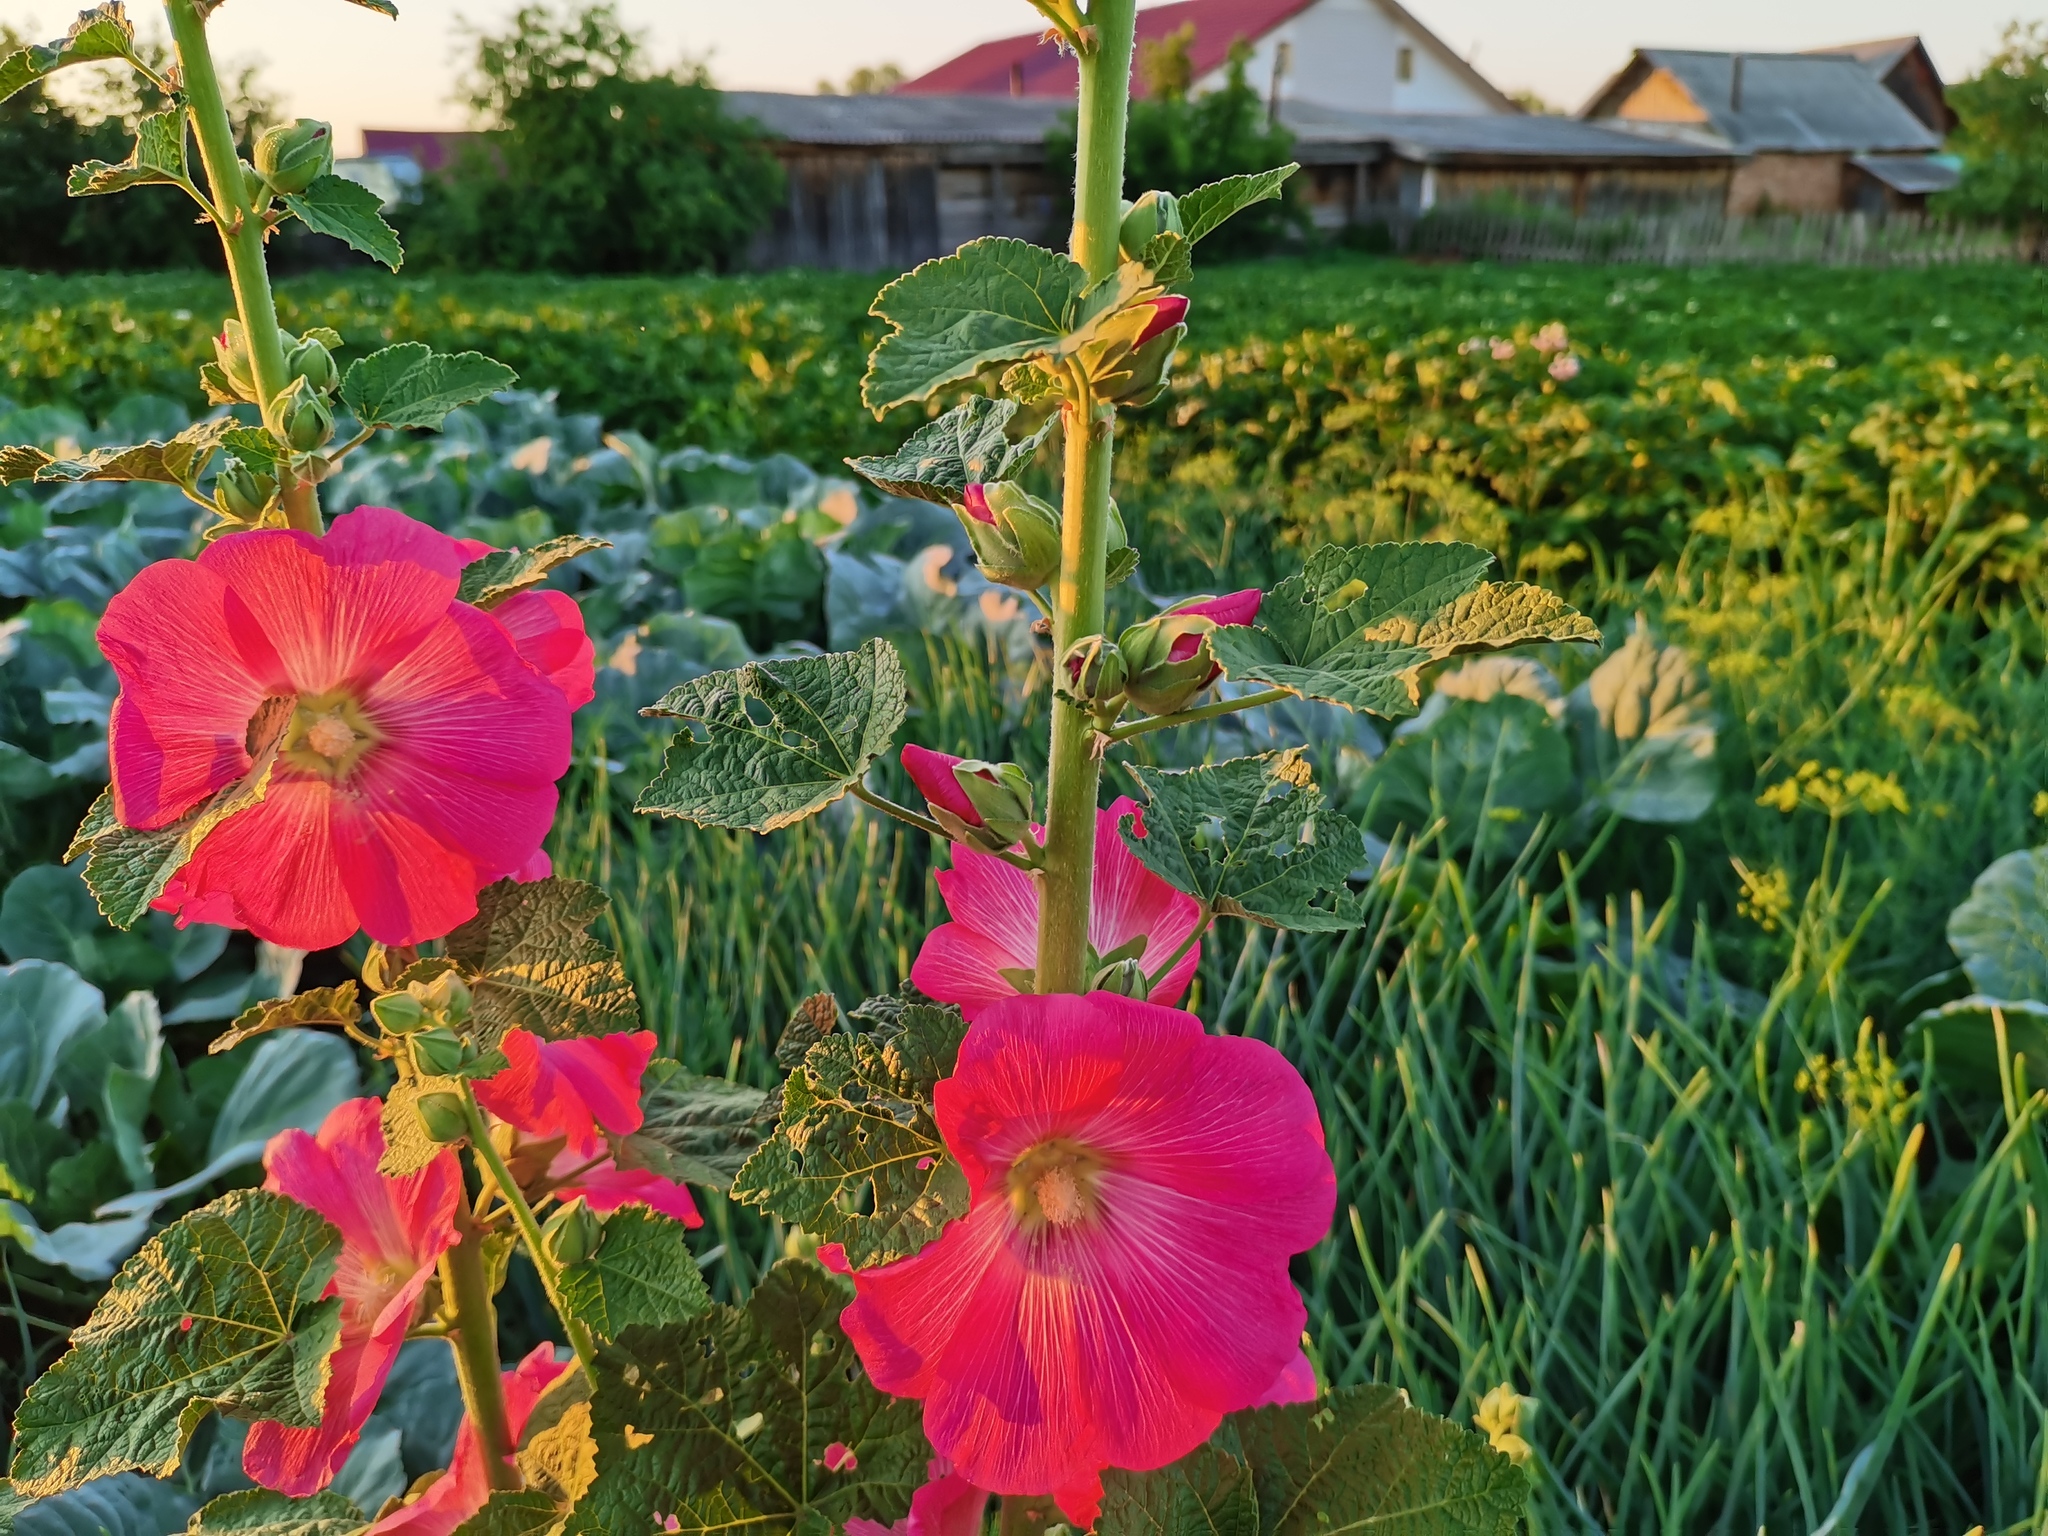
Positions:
{"x": 570, "y": 1088}
{"x": 932, "y": 773}
{"x": 276, "y": 866}
{"x": 607, "y": 1187}
{"x": 546, "y": 628}
{"x": 1130, "y": 900}
{"x": 957, "y": 965}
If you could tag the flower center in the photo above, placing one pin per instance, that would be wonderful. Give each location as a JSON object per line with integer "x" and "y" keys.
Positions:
{"x": 331, "y": 737}
{"x": 1054, "y": 1185}
{"x": 328, "y": 735}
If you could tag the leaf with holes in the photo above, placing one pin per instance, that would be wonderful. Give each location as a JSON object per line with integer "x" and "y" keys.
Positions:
{"x": 103, "y": 32}
{"x": 1357, "y": 625}
{"x": 968, "y": 445}
{"x": 697, "y": 1130}
{"x": 721, "y": 1423}
{"x": 336, "y": 206}
{"x": 532, "y": 964}
{"x": 220, "y": 1310}
{"x": 781, "y": 740}
{"x": 336, "y": 1006}
{"x": 1252, "y": 837}
{"x": 412, "y": 385}
{"x": 158, "y": 159}
{"x": 489, "y": 581}
{"x": 856, "y": 1158}
{"x": 642, "y": 1272}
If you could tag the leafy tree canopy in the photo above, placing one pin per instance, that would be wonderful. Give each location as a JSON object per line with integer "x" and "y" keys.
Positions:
{"x": 2002, "y": 132}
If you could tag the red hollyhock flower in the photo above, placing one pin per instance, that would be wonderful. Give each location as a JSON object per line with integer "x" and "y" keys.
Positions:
{"x": 947, "y": 1505}
{"x": 932, "y": 773}
{"x": 605, "y": 1186}
{"x": 994, "y": 906}
{"x": 421, "y": 759}
{"x": 393, "y": 1232}
{"x": 1167, "y": 312}
{"x": 464, "y": 1488}
{"x": 1120, "y": 1280}
{"x": 1234, "y": 608}
{"x": 575, "y": 1089}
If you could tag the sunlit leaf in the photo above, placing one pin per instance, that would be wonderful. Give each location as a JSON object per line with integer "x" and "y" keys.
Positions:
{"x": 336, "y": 206}
{"x": 412, "y": 385}
{"x": 177, "y": 462}
{"x": 642, "y": 1272}
{"x": 158, "y": 158}
{"x": 966, "y": 446}
{"x": 321, "y": 1005}
{"x": 532, "y": 964}
{"x": 260, "y": 1512}
{"x": 103, "y": 32}
{"x": 1208, "y": 206}
{"x": 489, "y": 581}
{"x": 1644, "y": 725}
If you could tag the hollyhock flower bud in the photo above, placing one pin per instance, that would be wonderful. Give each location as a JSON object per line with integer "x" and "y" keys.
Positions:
{"x": 1154, "y": 214}
{"x": 292, "y": 156}
{"x": 310, "y": 360}
{"x": 1091, "y": 674}
{"x": 573, "y": 1233}
{"x": 307, "y": 418}
{"x": 1124, "y": 978}
{"x": 398, "y": 1013}
{"x": 441, "y": 1116}
{"x": 1016, "y": 537}
{"x": 439, "y": 1052}
{"x": 1167, "y": 657}
{"x": 447, "y": 997}
{"x": 1168, "y": 311}
{"x": 986, "y": 805}
{"x": 241, "y": 493}
{"x": 1137, "y": 1187}
{"x": 231, "y": 354}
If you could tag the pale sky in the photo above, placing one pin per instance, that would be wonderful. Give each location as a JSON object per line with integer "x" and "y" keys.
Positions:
{"x": 337, "y": 61}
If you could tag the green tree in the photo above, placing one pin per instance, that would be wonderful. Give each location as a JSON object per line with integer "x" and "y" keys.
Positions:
{"x": 593, "y": 163}
{"x": 2002, "y": 133}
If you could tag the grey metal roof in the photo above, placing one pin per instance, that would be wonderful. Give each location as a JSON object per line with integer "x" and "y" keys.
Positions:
{"x": 1794, "y": 101}
{"x": 1434, "y": 137}
{"x": 1911, "y": 174}
{"x": 880, "y": 120}
{"x": 1879, "y": 55}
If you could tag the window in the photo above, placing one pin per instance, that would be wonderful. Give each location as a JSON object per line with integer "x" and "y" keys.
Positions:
{"x": 1404, "y": 64}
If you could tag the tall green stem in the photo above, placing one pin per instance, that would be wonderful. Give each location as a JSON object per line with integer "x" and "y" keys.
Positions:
{"x": 241, "y": 236}
{"x": 473, "y": 1331}
{"x": 1075, "y": 770}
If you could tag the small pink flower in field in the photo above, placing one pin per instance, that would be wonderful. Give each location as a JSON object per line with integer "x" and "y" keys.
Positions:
{"x": 575, "y": 1089}
{"x": 1167, "y": 311}
{"x": 994, "y": 931}
{"x": 424, "y": 742}
{"x": 605, "y": 1186}
{"x": 1503, "y": 350}
{"x": 463, "y": 1489}
{"x": 975, "y": 498}
{"x": 1120, "y": 1282}
{"x": 1564, "y": 368}
{"x": 393, "y": 1232}
{"x": 932, "y": 773}
{"x": 1552, "y": 338}
{"x": 947, "y": 1505}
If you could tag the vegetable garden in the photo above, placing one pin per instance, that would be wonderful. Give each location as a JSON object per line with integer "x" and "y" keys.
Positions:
{"x": 1672, "y": 1008}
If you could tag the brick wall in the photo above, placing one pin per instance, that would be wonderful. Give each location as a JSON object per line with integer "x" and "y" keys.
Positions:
{"x": 1788, "y": 184}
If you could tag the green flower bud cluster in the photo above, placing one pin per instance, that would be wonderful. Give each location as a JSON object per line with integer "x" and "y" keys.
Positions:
{"x": 573, "y": 1233}
{"x": 442, "y": 1004}
{"x": 1091, "y": 676}
{"x": 1003, "y": 798}
{"x": 243, "y": 494}
{"x": 1163, "y": 672}
{"x": 1016, "y": 536}
{"x": 292, "y": 156}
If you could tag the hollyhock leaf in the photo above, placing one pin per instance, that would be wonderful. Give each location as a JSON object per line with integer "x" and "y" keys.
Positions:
{"x": 222, "y": 1310}
{"x": 969, "y": 445}
{"x": 103, "y": 32}
{"x": 513, "y": 1514}
{"x": 322, "y": 1005}
{"x": 407, "y": 1145}
{"x": 158, "y": 158}
{"x": 857, "y": 1158}
{"x": 412, "y": 385}
{"x": 781, "y": 739}
{"x": 642, "y": 1272}
{"x": 336, "y": 206}
{"x": 1252, "y": 837}
{"x": 724, "y": 1420}
{"x": 816, "y": 1017}
{"x": 532, "y": 964}
{"x": 260, "y": 1512}
{"x": 1206, "y": 1493}
{"x": 1357, "y": 625}
{"x": 556, "y": 1454}
{"x": 697, "y": 1130}
{"x": 1208, "y": 206}
{"x": 177, "y": 462}
{"x": 1169, "y": 258}
{"x": 489, "y": 581}
{"x": 1367, "y": 1453}
{"x": 127, "y": 869}
{"x": 22, "y": 462}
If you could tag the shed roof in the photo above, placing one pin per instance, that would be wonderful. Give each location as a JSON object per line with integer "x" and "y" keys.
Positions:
{"x": 1911, "y": 175}
{"x": 1788, "y": 101}
{"x": 1432, "y": 137}
{"x": 877, "y": 120}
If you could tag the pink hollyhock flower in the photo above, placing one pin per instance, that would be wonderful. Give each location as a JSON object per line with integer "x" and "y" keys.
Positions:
{"x": 574, "y": 1089}
{"x": 994, "y": 907}
{"x": 457, "y": 1494}
{"x": 1296, "y": 1383}
{"x": 1232, "y": 609}
{"x": 932, "y": 773}
{"x": 947, "y": 1505}
{"x": 393, "y": 1232}
{"x": 421, "y": 758}
{"x": 975, "y": 499}
{"x": 1120, "y": 1280}
{"x": 605, "y": 1186}
{"x": 1167, "y": 312}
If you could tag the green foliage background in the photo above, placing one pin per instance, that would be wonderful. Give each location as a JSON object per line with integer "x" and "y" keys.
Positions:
{"x": 2002, "y": 133}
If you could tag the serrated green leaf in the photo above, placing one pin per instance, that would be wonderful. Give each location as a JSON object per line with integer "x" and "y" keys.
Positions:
{"x": 22, "y": 461}
{"x": 1252, "y": 837}
{"x": 127, "y": 868}
{"x": 781, "y": 739}
{"x": 412, "y": 385}
{"x": 335, "y": 206}
{"x": 1208, "y": 206}
{"x": 1168, "y": 258}
{"x": 697, "y": 1130}
{"x": 321, "y": 1005}
{"x": 258, "y": 450}
{"x": 1366, "y": 1459}
{"x": 1206, "y": 1493}
{"x": 513, "y": 1514}
{"x": 532, "y": 964}
{"x": 1358, "y": 625}
{"x": 100, "y": 33}
{"x": 220, "y": 1310}
{"x": 812, "y": 1020}
{"x": 177, "y": 462}
{"x": 857, "y": 1158}
{"x": 158, "y": 158}
{"x": 966, "y": 446}
{"x": 407, "y": 1146}
{"x": 260, "y": 1512}
{"x": 642, "y": 1272}
{"x": 489, "y": 581}
{"x": 723, "y": 1422}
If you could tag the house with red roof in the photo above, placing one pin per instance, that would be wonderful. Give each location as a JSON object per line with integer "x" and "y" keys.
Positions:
{"x": 1351, "y": 55}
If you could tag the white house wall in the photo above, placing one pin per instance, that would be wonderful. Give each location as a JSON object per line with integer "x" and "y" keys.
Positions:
{"x": 1343, "y": 53}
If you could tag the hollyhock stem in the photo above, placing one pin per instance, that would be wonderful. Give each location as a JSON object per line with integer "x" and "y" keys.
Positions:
{"x": 1075, "y": 770}
{"x": 529, "y": 1229}
{"x": 1192, "y": 716}
{"x": 241, "y": 235}
{"x": 473, "y": 1332}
